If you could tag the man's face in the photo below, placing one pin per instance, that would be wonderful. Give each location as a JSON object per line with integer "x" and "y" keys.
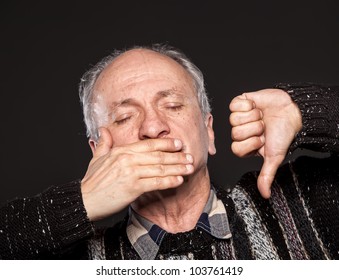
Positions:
{"x": 145, "y": 95}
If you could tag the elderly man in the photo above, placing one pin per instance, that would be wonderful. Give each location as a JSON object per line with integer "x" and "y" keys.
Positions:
{"x": 150, "y": 130}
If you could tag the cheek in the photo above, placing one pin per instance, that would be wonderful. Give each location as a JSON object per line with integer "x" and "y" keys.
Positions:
{"x": 123, "y": 135}
{"x": 194, "y": 133}
{"x": 192, "y": 123}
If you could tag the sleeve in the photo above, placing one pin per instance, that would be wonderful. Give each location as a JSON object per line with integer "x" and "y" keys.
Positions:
{"x": 42, "y": 226}
{"x": 319, "y": 106}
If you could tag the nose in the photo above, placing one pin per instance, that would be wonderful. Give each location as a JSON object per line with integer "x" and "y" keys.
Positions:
{"x": 154, "y": 125}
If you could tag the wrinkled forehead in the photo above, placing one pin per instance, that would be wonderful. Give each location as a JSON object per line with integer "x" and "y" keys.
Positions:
{"x": 141, "y": 67}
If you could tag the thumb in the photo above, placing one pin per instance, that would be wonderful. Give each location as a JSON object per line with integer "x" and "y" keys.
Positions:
{"x": 105, "y": 142}
{"x": 267, "y": 174}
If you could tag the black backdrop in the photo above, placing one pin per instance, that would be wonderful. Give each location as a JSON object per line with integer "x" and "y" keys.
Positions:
{"x": 46, "y": 46}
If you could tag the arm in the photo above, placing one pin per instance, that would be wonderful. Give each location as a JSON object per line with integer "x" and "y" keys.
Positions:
{"x": 320, "y": 116}
{"x": 41, "y": 226}
{"x": 45, "y": 225}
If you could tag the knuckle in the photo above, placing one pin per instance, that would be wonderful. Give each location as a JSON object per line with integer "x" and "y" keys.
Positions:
{"x": 233, "y": 102}
{"x": 162, "y": 169}
{"x": 124, "y": 158}
{"x": 235, "y": 133}
{"x": 257, "y": 142}
{"x": 126, "y": 172}
{"x": 234, "y": 148}
{"x": 258, "y": 114}
{"x": 233, "y": 119}
{"x": 248, "y": 105}
{"x": 149, "y": 144}
{"x": 261, "y": 126}
{"x": 244, "y": 95}
{"x": 160, "y": 156}
{"x": 157, "y": 182}
{"x": 116, "y": 152}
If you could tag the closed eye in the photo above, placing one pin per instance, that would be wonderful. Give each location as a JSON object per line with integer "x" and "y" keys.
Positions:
{"x": 175, "y": 107}
{"x": 122, "y": 120}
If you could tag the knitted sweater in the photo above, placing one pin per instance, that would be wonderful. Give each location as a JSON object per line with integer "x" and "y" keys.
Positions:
{"x": 299, "y": 221}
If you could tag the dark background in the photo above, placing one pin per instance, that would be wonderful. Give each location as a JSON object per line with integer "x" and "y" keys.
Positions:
{"x": 46, "y": 47}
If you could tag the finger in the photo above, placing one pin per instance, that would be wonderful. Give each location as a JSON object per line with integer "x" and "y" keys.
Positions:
{"x": 239, "y": 118}
{"x": 160, "y": 183}
{"x": 159, "y": 157}
{"x": 267, "y": 97}
{"x": 152, "y": 145}
{"x": 239, "y": 104}
{"x": 267, "y": 174}
{"x": 245, "y": 131}
{"x": 161, "y": 170}
{"x": 248, "y": 146}
{"x": 105, "y": 142}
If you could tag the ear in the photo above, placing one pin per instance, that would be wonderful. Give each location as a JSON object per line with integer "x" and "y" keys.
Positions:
{"x": 209, "y": 125}
{"x": 93, "y": 144}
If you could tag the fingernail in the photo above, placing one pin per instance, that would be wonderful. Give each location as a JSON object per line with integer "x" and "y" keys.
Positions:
{"x": 189, "y": 158}
{"x": 177, "y": 143}
{"x": 189, "y": 167}
{"x": 180, "y": 179}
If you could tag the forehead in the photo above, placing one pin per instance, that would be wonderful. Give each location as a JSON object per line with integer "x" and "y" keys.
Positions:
{"x": 142, "y": 70}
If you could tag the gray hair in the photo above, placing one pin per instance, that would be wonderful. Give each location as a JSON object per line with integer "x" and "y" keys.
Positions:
{"x": 89, "y": 79}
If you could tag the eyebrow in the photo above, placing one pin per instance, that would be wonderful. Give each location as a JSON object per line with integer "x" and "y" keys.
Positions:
{"x": 160, "y": 94}
{"x": 166, "y": 93}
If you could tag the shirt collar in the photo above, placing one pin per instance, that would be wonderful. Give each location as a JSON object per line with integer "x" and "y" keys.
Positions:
{"x": 146, "y": 237}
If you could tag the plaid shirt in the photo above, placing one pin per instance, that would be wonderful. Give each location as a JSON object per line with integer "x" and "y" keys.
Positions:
{"x": 146, "y": 237}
